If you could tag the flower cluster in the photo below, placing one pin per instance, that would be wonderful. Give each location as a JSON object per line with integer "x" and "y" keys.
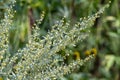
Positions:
{"x": 38, "y": 59}
{"x": 91, "y": 51}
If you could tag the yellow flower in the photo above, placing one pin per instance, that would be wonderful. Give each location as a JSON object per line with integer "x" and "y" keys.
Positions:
{"x": 87, "y": 52}
{"x": 1, "y": 78}
{"x": 77, "y": 55}
{"x": 91, "y": 51}
{"x": 94, "y": 51}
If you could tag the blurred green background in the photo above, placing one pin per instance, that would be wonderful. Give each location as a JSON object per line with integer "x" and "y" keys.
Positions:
{"x": 104, "y": 39}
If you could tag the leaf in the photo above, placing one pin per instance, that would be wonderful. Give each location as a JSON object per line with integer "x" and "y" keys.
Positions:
{"x": 117, "y": 60}
{"x": 109, "y": 61}
{"x": 113, "y": 34}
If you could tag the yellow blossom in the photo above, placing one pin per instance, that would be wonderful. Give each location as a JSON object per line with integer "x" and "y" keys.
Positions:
{"x": 87, "y": 52}
{"x": 94, "y": 51}
{"x": 1, "y": 78}
{"x": 77, "y": 55}
{"x": 91, "y": 51}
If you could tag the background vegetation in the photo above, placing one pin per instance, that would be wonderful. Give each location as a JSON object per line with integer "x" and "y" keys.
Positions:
{"x": 104, "y": 39}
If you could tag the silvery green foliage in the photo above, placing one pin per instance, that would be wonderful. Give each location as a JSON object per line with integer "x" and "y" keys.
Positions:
{"x": 38, "y": 60}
